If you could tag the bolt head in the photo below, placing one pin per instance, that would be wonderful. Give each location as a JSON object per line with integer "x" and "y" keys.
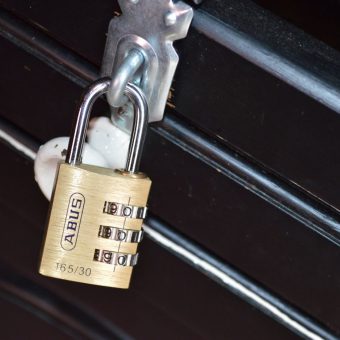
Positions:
{"x": 170, "y": 19}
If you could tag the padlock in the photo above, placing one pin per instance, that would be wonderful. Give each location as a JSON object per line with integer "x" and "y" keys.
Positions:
{"x": 96, "y": 214}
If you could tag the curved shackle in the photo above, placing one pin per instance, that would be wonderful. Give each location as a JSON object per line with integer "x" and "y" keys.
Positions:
{"x": 140, "y": 121}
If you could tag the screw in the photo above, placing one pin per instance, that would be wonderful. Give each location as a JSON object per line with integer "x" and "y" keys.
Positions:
{"x": 170, "y": 19}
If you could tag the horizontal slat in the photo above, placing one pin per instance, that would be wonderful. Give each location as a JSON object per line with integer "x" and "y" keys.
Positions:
{"x": 65, "y": 315}
{"x": 30, "y": 325}
{"x": 275, "y": 46}
{"x": 255, "y": 112}
{"x": 305, "y": 13}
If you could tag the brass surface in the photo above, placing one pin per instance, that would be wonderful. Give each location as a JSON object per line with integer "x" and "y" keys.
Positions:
{"x": 71, "y": 257}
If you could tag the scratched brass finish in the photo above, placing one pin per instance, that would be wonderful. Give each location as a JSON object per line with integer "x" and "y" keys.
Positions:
{"x": 81, "y": 211}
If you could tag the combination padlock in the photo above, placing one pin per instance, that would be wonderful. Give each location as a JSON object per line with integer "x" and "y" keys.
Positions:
{"x": 96, "y": 214}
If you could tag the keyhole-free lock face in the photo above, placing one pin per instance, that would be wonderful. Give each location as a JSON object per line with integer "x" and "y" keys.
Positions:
{"x": 96, "y": 214}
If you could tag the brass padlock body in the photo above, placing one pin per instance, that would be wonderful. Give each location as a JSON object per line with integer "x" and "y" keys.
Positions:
{"x": 90, "y": 205}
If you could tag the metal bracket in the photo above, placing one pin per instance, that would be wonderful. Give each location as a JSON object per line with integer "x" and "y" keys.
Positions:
{"x": 147, "y": 28}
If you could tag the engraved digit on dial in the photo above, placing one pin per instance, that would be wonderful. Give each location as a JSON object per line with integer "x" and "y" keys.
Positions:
{"x": 124, "y": 210}
{"x": 118, "y": 234}
{"x": 114, "y": 258}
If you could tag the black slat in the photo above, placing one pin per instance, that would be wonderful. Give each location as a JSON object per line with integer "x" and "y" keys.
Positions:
{"x": 30, "y": 326}
{"x": 33, "y": 302}
{"x": 244, "y": 105}
{"x": 25, "y": 98}
{"x": 306, "y": 13}
{"x": 79, "y": 25}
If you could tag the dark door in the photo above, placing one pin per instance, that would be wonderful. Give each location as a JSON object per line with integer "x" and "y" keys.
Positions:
{"x": 243, "y": 231}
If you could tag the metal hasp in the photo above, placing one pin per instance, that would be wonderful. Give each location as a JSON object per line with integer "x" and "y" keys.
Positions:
{"x": 139, "y": 49}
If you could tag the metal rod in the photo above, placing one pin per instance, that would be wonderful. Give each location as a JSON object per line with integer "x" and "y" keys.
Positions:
{"x": 140, "y": 122}
{"x": 77, "y": 139}
{"x": 123, "y": 75}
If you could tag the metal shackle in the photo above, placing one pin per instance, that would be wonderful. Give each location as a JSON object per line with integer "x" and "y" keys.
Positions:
{"x": 140, "y": 121}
